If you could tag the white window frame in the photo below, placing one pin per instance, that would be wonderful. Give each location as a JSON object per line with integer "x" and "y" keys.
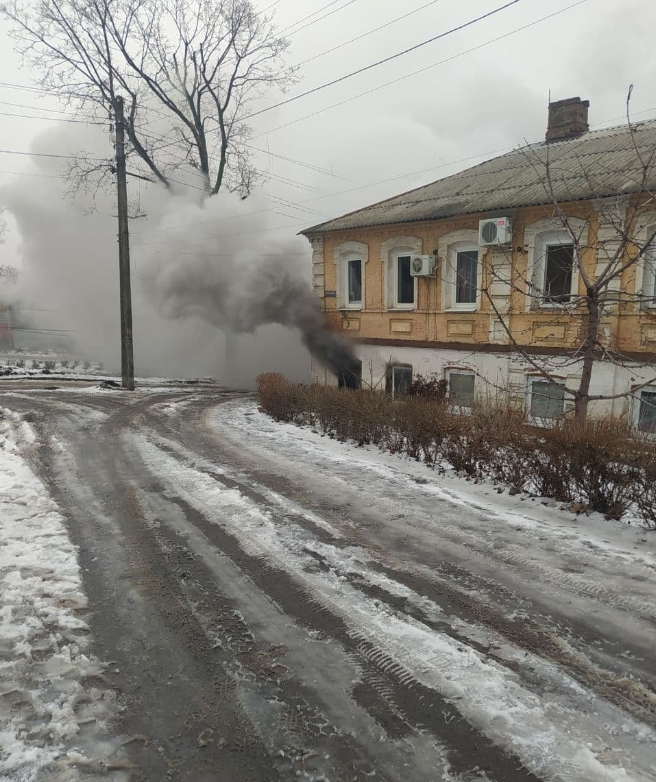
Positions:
{"x": 540, "y": 420}
{"x": 342, "y": 254}
{"x": 646, "y": 270}
{"x": 447, "y": 377}
{"x": 392, "y": 367}
{"x": 543, "y": 242}
{"x": 449, "y": 246}
{"x": 539, "y": 235}
{"x": 390, "y": 251}
{"x": 637, "y": 401}
{"x": 346, "y": 260}
{"x": 402, "y": 305}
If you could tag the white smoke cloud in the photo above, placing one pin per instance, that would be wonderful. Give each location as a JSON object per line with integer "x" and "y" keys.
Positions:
{"x": 201, "y": 268}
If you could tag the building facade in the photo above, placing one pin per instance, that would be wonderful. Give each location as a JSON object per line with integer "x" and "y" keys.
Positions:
{"x": 502, "y": 316}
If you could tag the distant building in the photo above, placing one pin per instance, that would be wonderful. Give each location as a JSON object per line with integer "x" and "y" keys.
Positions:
{"x": 496, "y": 292}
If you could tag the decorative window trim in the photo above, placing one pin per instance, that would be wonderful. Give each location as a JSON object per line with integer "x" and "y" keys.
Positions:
{"x": 448, "y": 245}
{"x": 646, "y": 268}
{"x": 389, "y": 252}
{"x": 349, "y": 251}
{"x": 536, "y": 236}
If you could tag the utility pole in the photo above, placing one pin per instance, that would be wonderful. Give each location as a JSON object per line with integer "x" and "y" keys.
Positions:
{"x": 127, "y": 355}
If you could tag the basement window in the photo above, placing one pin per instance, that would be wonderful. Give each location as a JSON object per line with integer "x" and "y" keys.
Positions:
{"x": 546, "y": 401}
{"x": 398, "y": 379}
{"x": 351, "y": 376}
{"x": 646, "y": 410}
{"x": 461, "y": 389}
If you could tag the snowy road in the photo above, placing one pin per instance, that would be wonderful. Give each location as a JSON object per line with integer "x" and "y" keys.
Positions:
{"x": 274, "y": 605}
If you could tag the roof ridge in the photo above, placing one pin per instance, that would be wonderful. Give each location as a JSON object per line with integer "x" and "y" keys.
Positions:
{"x": 471, "y": 173}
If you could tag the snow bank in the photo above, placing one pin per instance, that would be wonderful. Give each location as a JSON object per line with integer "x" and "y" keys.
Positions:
{"x": 50, "y": 711}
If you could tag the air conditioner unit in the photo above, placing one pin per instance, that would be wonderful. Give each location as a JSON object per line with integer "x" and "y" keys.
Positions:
{"x": 422, "y": 265}
{"x": 495, "y": 232}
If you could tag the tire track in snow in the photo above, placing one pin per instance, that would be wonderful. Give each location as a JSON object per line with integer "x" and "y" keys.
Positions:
{"x": 624, "y": 692}
{"x": 441, "y": 670}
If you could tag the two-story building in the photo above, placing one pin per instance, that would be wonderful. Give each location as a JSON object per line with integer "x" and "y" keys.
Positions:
{"x": 426, "y": 286}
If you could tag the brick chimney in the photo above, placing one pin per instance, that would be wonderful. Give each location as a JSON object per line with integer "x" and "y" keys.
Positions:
{"x": 567, "y": 119}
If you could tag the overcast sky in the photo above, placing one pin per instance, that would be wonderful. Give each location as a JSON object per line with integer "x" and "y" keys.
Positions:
{"x": 475, "y": 97}
{"x": 471, "y": 106}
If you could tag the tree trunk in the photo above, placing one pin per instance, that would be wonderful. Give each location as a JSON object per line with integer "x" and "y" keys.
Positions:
{"x": 582, "y": 396}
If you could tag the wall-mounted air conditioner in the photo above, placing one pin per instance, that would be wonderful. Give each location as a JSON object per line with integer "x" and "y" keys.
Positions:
{"x": 422, "y": 265}
{"x": 495, "y": 232}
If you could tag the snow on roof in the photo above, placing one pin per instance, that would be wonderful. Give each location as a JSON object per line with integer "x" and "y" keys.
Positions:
{"x": 596, "y": 164}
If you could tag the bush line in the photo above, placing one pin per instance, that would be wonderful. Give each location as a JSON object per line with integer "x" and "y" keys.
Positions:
{"x": 600, "y": 464}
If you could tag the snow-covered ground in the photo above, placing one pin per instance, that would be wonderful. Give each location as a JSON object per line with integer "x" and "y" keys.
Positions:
{"x": 54, "y": 701}
{"x": 370, "y": 575}
{"x": 555, "y": 734}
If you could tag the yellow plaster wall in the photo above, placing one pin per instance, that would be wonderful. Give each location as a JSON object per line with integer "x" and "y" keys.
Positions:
{"x": 631, "y": 329}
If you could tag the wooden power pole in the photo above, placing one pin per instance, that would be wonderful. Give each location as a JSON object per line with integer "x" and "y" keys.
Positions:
{"x": 127, "y": 355}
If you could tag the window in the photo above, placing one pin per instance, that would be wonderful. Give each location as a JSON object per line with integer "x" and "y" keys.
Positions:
{"x": 350, "y": 259}
{"x": 649, "y": 269}
{"x": 351, "y": 376}
{"x": 400, "y": 292}
{"x": 558, "y": 268}
{"x": 551, "y": 260}
{"x": 461, "y": 388}
{"x": 398, "y": 379}
{"x": 547, "y": 400}
{"x": 405, "y": 283}
{"x": 354, "y": 281}
{"x": 466, "y": 276}
{"x": 646, "y": 410}
{"x": 459, "y": 252}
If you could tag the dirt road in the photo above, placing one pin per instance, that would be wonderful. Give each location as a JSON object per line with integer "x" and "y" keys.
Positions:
{"x": 278, "y": 606}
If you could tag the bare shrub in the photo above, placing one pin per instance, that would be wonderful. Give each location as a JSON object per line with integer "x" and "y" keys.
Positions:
{"x": 598, "y": 462}
{"x": 282, "y": 400}
{"x": 644, "y": 488}
{"x": 428, "y": 388}
{"x": 597, "y": 459}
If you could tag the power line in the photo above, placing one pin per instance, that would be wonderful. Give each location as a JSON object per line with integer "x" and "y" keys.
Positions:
{"x": 34, "y": 108}
{"x": 383, "y": 61}
{"x": 47, "y": 154}
{"x": 271, "y": 6}
{"x": 422, "y": 70}
{"x": 369, "y": 32}
{"x": 27, "y": 173}
{"x": 379, "y": 182}
{"x": 11, "y": 86}
{"x": 296, "y": 162}
{"x": 51, "y": 119}
{"x": 314, "y": 21}
{"x": 309, "y": 16}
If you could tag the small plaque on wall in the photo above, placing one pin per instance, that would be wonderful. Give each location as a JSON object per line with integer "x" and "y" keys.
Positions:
{"x": 330, "y": 294}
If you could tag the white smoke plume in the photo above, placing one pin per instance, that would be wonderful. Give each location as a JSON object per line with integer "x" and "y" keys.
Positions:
{"x": 202, "y": 269}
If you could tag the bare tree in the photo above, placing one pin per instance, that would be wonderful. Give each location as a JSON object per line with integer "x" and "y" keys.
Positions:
{"x": 605, "y": 268}
{"x": 188, "y": 70}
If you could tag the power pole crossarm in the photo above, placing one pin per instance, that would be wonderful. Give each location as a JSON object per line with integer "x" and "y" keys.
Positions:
{"x": 127, "y": 356}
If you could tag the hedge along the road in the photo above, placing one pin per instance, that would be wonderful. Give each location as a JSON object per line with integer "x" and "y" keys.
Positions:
{"x": 598, "y": 465}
